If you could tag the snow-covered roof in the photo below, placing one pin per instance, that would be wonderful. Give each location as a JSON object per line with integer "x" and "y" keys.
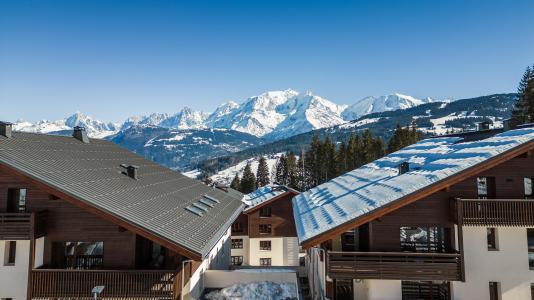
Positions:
{"x": 262, "y": 195}
{"x": 363, "y": 190}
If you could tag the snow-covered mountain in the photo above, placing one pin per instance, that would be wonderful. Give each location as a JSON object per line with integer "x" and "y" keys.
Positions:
{"x": 391, "y": 102}
{"x": 272, "y": 115}
{"x": 95, "y": 128}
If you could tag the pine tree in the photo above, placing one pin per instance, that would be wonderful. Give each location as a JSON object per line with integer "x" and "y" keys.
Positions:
{"x": 262, "y": 174}
{"x": 520, "y": 113}
{"x": 236, "y": 183}
{"x": 281, "y": 171}
{"x": 341, "y": 159}
{"x": 248, "y": 182}
{"x": 291, "y": 170}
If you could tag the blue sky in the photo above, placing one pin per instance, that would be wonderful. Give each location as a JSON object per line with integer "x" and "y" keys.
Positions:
{"x": 112, "y": 59}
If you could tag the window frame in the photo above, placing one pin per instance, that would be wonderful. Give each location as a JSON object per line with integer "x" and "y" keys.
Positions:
{"x": 265, "y": 212}
{"x": 236, "y": 260}
{"x": 266, "y": 261}
{"x": 10, "y": 253}
{"x": 494, "y": 290}
{"x": 265, "y": 228}
{"x": 237, "y": 243}
{"x": 492, "y": 239}
{"x": 237, "y": 227}
{"x": 531, "y": 195}
{"x": 267, "y": 245}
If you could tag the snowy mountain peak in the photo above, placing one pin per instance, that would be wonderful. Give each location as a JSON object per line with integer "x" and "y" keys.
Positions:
{"x": 390, "y": 102}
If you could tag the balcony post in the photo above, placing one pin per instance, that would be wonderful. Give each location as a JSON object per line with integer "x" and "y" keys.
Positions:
{"x": 459, "y": 218}
{"x": 31, "y": 258}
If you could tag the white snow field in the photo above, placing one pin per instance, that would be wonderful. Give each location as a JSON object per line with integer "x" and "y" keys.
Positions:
{"x": 369, "y": 187}
{"x": 265, "y": 290}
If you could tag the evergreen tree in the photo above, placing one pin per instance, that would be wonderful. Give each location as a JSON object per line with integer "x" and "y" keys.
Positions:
{"x": 341, "y": 159}
{"x": 236, "y": 183}
{"x": 262, "y": 174}
{"x": 403, "y": 137}
{"x": 281, "y": 171}
{"x": 291, "y": 170}
{"x": 520, "y": 113}
{"x": 248, "y": 182}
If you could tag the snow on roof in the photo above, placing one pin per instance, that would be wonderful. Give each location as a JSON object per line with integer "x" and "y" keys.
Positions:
{"x": 263, "y": 194}
{"x": 349, "y": 196}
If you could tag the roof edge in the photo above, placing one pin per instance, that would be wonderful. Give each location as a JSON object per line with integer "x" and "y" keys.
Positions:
{"x": 417, "y": 195}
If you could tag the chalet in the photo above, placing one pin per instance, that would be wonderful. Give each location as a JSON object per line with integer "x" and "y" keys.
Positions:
{"x": 446, "y": 218}
{"x": 77, "y": 213}
{"x": 264, "y": 234}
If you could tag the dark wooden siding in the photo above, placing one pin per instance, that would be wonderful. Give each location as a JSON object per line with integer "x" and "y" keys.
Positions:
{"x": 282, "y": 221}
{"x": 66, "y": 222}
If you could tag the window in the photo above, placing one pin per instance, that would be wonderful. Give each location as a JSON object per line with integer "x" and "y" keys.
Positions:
{"x": 423, "y": 239}
{"x": 265, "y": 245}
{"x": 485, "y": 187}
{"x": 237, "y": 227}
{"x": 265, "y": 261}
{"x": 527, "y": 182}
{"x": 16, "y": 200}
{"x": 79, "y": 255}
{"x": 494, "y": 290}
{"x": 237, "y": 243}
{"x": 265, "y": 212}
{"x": 530, "y": 240}
{"x": 10, "y": 253}
{"x": 237, "y": 260}
{"x": 492, "y": 239}
{"x": 532, "y": 291}
{"x": 265, "y": 228}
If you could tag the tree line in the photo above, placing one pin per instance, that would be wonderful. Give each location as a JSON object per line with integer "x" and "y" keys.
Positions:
{"x": 324, "y": 160}
{"x": 523, "y": 111}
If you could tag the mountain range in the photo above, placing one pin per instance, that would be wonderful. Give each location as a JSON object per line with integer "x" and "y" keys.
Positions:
{"x": 271, "y": 116}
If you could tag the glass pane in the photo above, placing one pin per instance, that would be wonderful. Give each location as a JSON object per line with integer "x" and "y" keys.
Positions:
{"x": 482, "y": 186}
{"x": 528, "y": 186}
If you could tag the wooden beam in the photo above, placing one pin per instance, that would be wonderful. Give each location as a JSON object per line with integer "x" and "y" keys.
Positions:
{"x": 104, "y": 214}
{"x": 420, "y": 194}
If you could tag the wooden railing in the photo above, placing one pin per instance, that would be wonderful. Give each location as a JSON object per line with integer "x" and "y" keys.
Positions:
{"x": 118, "y": 284}
{"x": 84, "y": 262}
{"x": 394, "y": 265}
{"x": 20, "y": 226}
{"x": 496, "y": 212}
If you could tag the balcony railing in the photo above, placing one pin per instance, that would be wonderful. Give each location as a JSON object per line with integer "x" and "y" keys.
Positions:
{"x": 118, "y": 284}
{"x": 395, "y": 265}
{"x": 20, "y": 226}
{"x": 496, "y": 212}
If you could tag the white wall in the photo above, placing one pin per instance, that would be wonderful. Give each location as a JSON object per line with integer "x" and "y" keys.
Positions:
{"x": 218, "y": 258}
{"x": 384, "y": 289}
{"x": 509, "y": 265}
{"x": 14, "y": 279}
{"x": 242, "y": 252}
{"x": 276, "y": 254}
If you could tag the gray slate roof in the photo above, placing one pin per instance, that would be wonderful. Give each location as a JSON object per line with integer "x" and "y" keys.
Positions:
{"x": 157, "y": 201}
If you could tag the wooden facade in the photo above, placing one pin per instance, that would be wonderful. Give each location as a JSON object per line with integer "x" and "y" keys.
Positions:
{"x": 126, "y": 266}
{"x": 281, "y": 220}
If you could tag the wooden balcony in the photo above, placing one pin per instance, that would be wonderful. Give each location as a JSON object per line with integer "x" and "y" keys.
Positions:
{"x": 394, "y": 265}
{"x": 22, "y": 226}
{"x": 495, "y": 212}
{"x": 118, "y": 284}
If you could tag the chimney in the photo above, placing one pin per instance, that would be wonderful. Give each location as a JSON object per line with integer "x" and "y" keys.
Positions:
{"x": 80, "y": 134}
{"x": 404, "y": 167}
{"x": 131, "y": 171}
{"x": 5, "y": 129}
{"x": 484, "y": 125}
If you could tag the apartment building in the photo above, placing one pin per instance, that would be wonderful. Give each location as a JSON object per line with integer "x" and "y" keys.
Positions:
{"x": 78, "y": 213}
{"x": 446, "y": 218}
{"x": 264, "y": 234}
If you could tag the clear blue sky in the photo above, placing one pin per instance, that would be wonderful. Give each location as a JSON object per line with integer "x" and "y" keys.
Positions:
{"x": 112, "y": 59}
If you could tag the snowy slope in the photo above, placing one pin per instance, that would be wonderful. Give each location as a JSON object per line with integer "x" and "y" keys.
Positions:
{"x": 225, "y": 176}
{"x": 391, "y": 102}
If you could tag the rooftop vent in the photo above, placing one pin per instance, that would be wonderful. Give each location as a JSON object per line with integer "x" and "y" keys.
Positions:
{"x": 404, "y": 167}
{"x": 5, "y": 129}
{"x": 80, "y": 134}
{"x": 130, "y": 171}
{"x": 483, "y": 125}
{"x": 203, "y": 205}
